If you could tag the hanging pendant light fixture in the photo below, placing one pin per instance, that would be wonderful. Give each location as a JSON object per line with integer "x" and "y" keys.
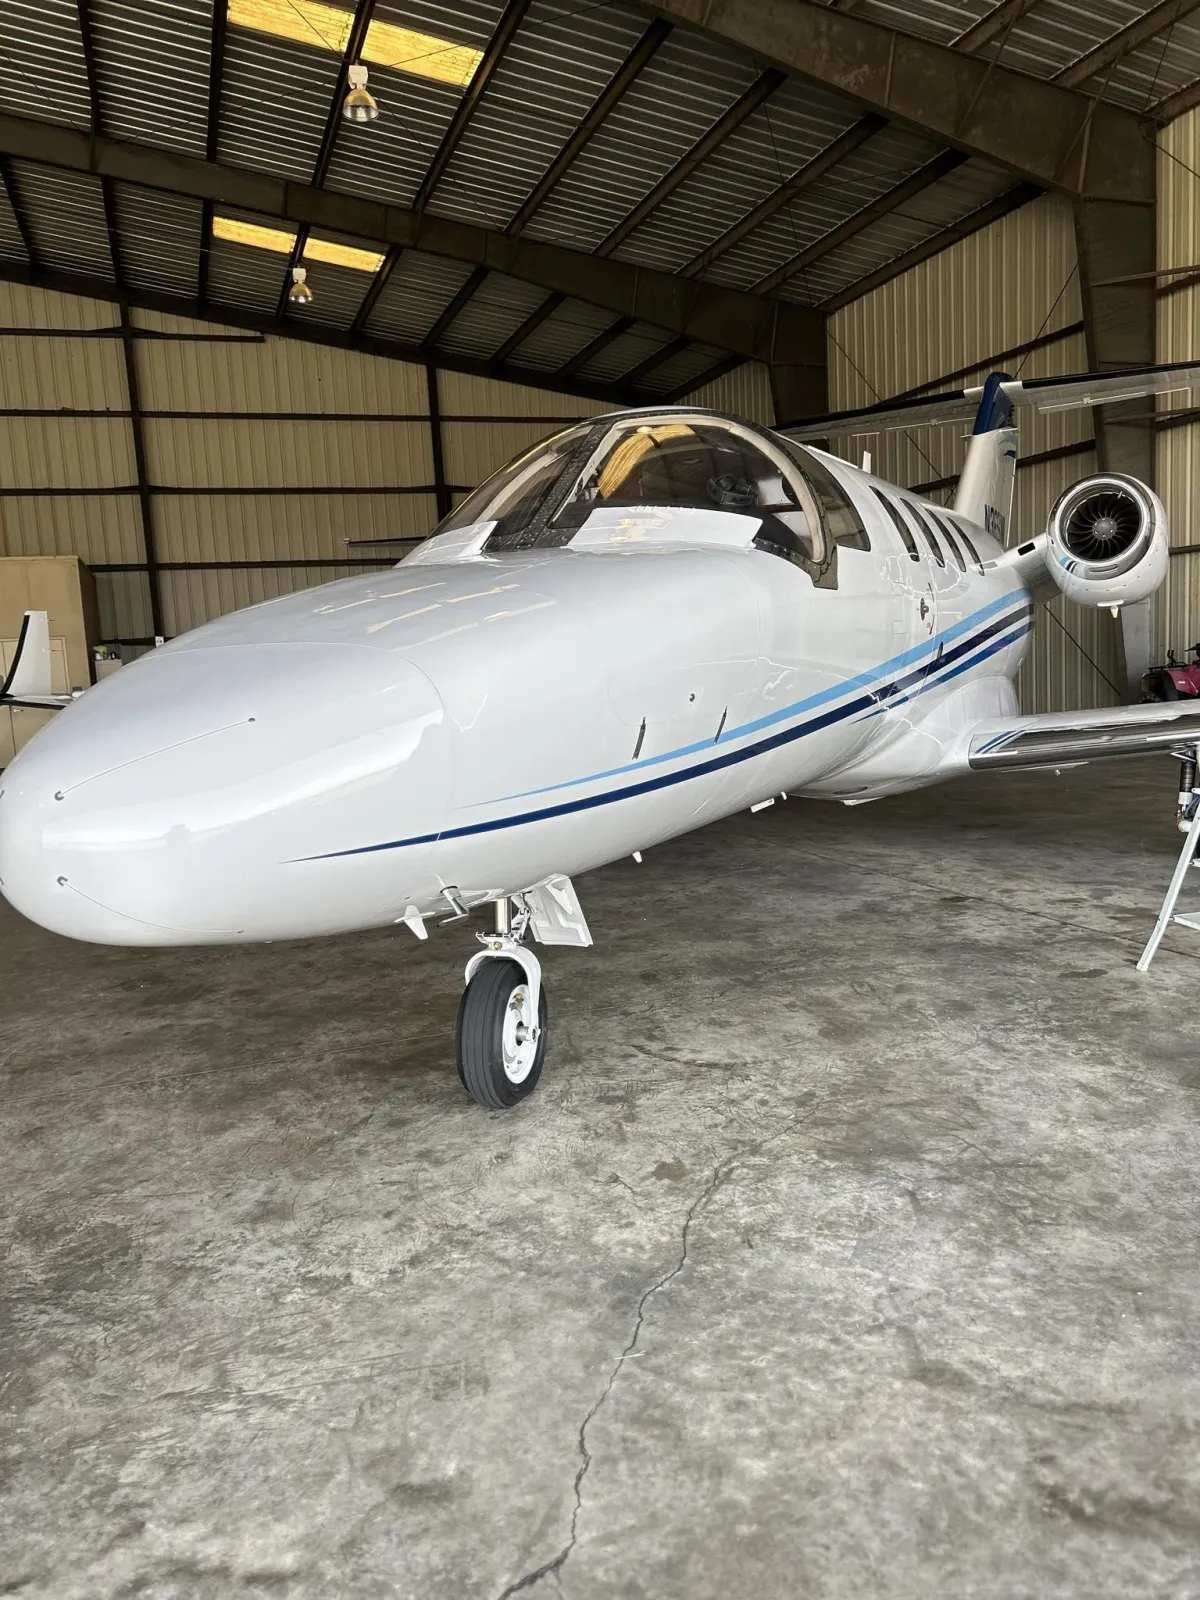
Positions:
{"x": 359, "y": 105}
{"x": 300, "y": 294}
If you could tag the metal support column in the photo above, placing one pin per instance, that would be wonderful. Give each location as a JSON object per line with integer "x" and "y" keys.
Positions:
{"x": 1115, "y": 240}
{"x": 145, "y": 498}
{"x": 441, "y": 489}
{"x": 800, "y": 388}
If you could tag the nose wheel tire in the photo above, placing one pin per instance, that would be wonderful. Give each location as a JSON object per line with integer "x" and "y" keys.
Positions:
{"x": 500, "y": 1051}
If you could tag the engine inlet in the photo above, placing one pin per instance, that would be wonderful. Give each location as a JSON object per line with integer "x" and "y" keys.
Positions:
{"x": 1102, "y": 525}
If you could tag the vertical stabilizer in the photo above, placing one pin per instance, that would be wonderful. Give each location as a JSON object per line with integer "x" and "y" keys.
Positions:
{"x": 985, "y": 489}
{"x": 30, "y": 670}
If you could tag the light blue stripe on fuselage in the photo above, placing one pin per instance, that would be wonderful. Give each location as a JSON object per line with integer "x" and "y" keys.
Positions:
{"x": 997, "y": 637}
{"x": 862, "y": 680}
{"x": 1022, "y": 624}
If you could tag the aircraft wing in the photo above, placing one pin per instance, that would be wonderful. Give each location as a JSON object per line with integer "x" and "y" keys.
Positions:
{"x": 28, "y": 680}
{"x": 1069, "y": 738}
{"x": 1104, "y": 389}
{"x": 926, "y": 411}
{"x": 1044, "y": 394}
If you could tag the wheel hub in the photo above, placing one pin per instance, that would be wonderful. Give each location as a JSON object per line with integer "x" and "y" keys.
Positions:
{"x": 519, "y": 1035}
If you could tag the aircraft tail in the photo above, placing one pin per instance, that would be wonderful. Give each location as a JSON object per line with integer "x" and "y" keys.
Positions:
{"x": 28, "y": 679}
{"x": 985, "y": 489}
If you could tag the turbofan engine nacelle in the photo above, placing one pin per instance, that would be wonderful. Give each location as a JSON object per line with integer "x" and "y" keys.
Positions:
{"x": 1107, "y": 541}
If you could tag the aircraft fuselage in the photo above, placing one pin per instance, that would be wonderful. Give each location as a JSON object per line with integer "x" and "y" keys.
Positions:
{"x": 338, "y": 758}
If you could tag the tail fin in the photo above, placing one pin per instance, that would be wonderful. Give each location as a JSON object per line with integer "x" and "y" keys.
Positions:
{"x": 985, "y": 489}
{"x": 28, "y": 680}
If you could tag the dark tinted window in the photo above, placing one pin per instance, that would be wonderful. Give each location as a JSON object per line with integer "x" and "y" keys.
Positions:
{"x": 956, "y": 551}
{"x": 902, "y": 527}
{"x": 926, "y": 527}
{"x": 966, "y": 539}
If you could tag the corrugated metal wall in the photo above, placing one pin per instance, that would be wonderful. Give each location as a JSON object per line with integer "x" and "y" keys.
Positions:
{"x": 44, "y": 453}
{"x": 1179, "y": 340}
{"x": 486, "y": 423}
{"x": 954, "y": 317}
{"x": 746, "y": 392}
{"x": 265, "y": 456}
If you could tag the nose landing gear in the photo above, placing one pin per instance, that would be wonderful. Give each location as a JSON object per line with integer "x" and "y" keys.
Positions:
{"x": 500, "y": 1039}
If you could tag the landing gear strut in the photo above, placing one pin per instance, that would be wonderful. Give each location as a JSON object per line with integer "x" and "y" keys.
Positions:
{"x": 501, "y": 1034}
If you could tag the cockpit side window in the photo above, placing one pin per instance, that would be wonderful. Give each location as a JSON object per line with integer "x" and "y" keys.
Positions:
{"x": 840, "y": 517}
{"x": 701, "y": 465}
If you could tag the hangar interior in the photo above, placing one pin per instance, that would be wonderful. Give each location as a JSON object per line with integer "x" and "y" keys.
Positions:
{"x": 860, "y": 1147}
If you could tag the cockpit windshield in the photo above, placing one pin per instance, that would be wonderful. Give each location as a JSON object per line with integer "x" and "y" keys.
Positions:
{"x": 673, "y": 460}
{"x": 690, "y": 464}
{"x": 513, "y": 497}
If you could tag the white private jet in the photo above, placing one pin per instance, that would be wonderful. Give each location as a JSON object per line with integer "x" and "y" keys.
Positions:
{"x": 645, "y": 623}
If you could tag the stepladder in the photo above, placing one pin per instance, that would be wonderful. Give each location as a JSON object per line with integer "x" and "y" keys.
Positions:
{"x": 1189, "y": 819}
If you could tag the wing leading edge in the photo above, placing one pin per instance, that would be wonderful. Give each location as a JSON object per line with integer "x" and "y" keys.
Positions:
{"x": 960, "y": 405}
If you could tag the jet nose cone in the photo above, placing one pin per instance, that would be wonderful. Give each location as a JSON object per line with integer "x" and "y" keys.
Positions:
{"x": 179, "y": 801}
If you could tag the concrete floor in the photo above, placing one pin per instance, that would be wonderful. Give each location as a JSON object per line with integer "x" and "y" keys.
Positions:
{"x": 848, "y": 1247}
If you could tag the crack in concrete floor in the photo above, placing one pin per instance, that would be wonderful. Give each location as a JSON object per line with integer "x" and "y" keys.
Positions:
{"x": 721, "y": 1172}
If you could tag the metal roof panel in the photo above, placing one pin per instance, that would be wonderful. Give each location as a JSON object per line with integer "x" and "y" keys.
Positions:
{"x": 497, "y": 309}
{"x": 275, "y": 99}
{"x": 690, "y": 364}
{"x": 386, "y": 159}
{"x": 65, "y": 215}
{"x": 152, "y": 70}
{"x": 563, "y": 334}
{"x": 855, "y": 182}
{"x": 793, "y": 127}
{"x": 159, "y": 239}
{"x": 555, "y": 66}
{"x": 685, "y": 87}
{"x": 41, "y": 61}
{"x": 623, "y": 353}
{"x": 417, "y": 292}
{"x": 240, "y": 275}
{"x": 927, "y": 213}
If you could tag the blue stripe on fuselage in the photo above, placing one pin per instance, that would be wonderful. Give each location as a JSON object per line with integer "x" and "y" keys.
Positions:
{"x": 1020, "y": 627}
{"x": 862, "y": 680}
{"x": 926, "y": 676}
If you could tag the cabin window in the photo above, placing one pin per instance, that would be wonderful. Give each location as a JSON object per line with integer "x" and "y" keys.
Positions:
{"x": 902, "y": 527}
{"x": 966, "y": 539}
{"x": 947, "y": 528}
{"x": 926, "y": 527}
